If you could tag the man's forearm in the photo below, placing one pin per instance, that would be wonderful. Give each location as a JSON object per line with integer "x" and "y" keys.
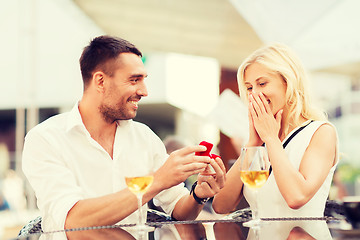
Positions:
{"x": 106, "y": 210}
{"x": 186, "y": 209}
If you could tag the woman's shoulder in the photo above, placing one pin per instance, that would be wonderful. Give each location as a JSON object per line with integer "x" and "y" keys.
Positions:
{"x": 324, "y": 134}
{"x": 325, "y": 141}
{"x": 311, "y": 128}
{"x": 324, "y": 128}
{"x": 317, "y": 133}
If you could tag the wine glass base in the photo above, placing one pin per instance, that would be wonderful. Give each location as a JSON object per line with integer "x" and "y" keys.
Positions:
{"x": 253, "y": 223}
{"x": 143, "y": 228}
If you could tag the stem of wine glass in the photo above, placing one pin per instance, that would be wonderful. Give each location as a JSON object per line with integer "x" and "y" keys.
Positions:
{"x": 256, "y": 232}
{"x": 140, "y": 220}
{"x": 255, "y": 211}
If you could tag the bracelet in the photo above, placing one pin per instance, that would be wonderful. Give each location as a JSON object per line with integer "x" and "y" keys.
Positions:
{"x": 197, "y": 199}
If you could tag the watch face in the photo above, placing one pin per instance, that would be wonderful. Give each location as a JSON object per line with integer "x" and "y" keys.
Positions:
{"x": 204, "y": 200}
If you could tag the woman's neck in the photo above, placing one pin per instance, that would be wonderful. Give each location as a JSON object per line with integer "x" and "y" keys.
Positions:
{"x": 288, "y": 125}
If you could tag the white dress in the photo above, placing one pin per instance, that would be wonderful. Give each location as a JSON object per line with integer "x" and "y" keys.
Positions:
{"x": 280, "y": 230}
{"x": 270, "y": 201}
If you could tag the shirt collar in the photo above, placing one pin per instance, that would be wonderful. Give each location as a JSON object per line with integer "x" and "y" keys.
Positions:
{"x": 74, "y": 118}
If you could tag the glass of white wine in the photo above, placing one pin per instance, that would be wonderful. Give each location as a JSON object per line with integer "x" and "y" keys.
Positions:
{"x": 254, "y": 172}
{"x": 139, "y": 185}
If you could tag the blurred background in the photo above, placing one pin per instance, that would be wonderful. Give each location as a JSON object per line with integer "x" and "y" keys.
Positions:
{"x": 192, "y": 49}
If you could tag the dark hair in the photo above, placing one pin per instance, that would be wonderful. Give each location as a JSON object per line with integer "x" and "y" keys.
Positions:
{"x": 101, "y": 51}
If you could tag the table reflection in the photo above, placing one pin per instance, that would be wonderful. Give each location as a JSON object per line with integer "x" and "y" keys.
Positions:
{"x": 309, "y": 229}
{"x": 230, "y": 231}
{"x": 109, "y": 233}
{"x": 181, "y": 231}
{"x": 276, "y": 229}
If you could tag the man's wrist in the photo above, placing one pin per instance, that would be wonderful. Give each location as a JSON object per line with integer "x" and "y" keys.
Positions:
{"x": 197, "y": 199}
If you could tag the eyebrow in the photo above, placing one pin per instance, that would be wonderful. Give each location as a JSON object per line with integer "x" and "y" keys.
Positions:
{"x": 257, "y": 80}
{"x": 138, "y": 76}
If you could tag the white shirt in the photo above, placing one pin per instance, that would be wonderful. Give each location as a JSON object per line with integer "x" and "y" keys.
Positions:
{"x": 64, "y": 165}
{"x": 270, "y": 201}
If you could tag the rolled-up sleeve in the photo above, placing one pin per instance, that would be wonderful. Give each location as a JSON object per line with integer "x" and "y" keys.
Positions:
{"x": 168, "y": 198}
{"x": 54, "y": 184}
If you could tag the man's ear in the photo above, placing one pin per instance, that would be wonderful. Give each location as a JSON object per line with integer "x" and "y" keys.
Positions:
{"x": 98, "y": 80}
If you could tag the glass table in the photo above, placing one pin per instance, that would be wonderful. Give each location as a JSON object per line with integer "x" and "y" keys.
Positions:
{"x": 229, "y": 228}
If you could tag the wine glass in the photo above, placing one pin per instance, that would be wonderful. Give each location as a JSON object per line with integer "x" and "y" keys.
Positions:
{"x": 139, "y": 185}
{"x": 254, "y": 172}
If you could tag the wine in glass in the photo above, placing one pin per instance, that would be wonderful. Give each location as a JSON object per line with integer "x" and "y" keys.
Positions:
{"x": 139, "y": 185}
{"x": 254, "y": 172}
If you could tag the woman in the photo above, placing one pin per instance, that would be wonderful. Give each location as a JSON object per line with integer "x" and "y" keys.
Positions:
{"x": 273, "y": 82}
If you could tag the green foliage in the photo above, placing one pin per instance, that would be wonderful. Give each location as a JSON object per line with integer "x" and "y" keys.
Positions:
{"x": 348, "y": 172}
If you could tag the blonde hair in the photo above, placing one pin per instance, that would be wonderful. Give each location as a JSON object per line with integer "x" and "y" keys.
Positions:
{"x": 280, "y": 59}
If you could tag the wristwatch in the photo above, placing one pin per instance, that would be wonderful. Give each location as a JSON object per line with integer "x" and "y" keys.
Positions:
{"x": 197, "y": 199}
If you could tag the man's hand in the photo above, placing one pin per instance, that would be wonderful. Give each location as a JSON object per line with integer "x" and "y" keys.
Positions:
{"x": 180, "y": 165}
{"x": 209, "y": 185}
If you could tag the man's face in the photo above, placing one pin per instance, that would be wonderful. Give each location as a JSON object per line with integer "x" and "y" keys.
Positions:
{"x": 124, "y": 89}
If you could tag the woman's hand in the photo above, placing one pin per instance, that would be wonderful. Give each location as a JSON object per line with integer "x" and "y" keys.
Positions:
{"x": 209, "y": 185}
{"x": 265, "y": 124}
{"x": 254, "y": 138}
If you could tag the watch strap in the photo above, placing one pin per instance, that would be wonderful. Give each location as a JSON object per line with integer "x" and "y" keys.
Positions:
{"x": 197, "y": 199}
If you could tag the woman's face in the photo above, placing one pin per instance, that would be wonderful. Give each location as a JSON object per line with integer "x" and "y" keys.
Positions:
{"x": 258, "y": 79}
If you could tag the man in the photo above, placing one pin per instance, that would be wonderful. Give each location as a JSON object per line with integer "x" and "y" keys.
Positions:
{"x": 77, "y": 161}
